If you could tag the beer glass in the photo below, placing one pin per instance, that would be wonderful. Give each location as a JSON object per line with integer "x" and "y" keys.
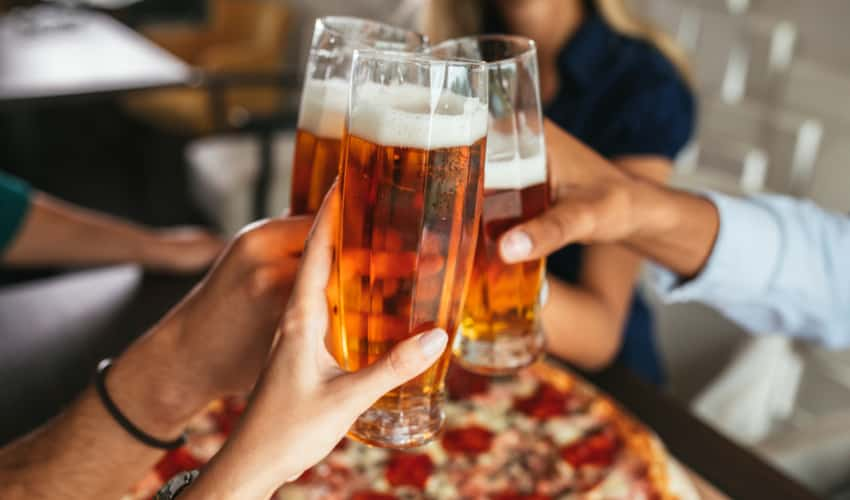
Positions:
{"x": 325, "y": 98}
{"x": 411, "y": 184}
{"x": 501, "y": 329}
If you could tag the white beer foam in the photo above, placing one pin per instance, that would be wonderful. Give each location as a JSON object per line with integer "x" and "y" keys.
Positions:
{"x": 414, "y": 116}
{"x": 323, "y": 107}
{"x": 515, "y": 173}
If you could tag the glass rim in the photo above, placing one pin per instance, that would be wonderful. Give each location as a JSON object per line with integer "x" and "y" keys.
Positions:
{"x": 530, "y": 46}
{"x": 421, "y": 58}
{"x": 329, "y": 24}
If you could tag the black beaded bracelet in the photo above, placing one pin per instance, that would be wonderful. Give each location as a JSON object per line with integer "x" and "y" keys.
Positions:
{"x": 100, "y": 384}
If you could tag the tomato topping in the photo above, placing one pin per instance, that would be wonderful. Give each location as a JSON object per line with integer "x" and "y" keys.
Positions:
{"x": 409, "y": 469}
{"x": 598, "y": 449}
{"x": 176, "y": 461}
{"x": 461, "y": 384}
{"x": 371, "y": 495}
{"x": 546, "y": 402}
{"x": 469, "y": 440}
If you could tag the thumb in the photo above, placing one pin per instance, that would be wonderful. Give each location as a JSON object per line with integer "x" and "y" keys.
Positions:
{"x": 317, "y": 259}
{"x": 567, "y": 222}
{"x": 407, "y": 360}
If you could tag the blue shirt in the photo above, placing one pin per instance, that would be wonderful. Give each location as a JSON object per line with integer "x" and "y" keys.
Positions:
{"x": 622, "y": 97}
{"x": 779, "y": 265}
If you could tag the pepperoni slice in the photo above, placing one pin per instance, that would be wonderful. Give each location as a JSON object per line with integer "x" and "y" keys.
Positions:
{"x": 599, "y": 449}
{"x": 409, "y": 469}
{"x": 546, "y": 402}
{"x": 176, "y": 461}
{"x": 371, "y": 495}
{"x": 468, "y": 440}
{"x": 462, "y": 384}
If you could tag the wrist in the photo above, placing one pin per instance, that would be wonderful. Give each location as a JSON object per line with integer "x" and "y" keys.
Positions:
{"x": 151, "y": 387}
{"x": 675, "y": 229}
{"x": 653, "y": 210}
{"x": 247, "y": 467}
{"x": 228, "y": 476}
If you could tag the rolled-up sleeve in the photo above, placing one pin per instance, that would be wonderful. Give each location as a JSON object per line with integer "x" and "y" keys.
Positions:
{"x": 779, "y": 265}
{"x": 14, "y": 205}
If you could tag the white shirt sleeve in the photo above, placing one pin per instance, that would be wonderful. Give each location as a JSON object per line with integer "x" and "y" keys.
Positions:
{"x": 779, "y": 265}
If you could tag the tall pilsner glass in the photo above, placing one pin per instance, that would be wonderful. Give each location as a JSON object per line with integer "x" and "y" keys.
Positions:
{"x": 324, "y": 100}
{"x": 411, "y": 185}
{"x": 501, "y": 329}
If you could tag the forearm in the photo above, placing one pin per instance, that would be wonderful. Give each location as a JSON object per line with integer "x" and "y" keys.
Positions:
{"x": 778, "y": 265}
{"x": 55, "y": 232}
{"x": 675, "y": 229}
{"x": 84, "y": 453}
{"x": 579, "y": 327}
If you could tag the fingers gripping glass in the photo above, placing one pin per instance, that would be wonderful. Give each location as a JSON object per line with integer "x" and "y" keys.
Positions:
{"x": 410, "y": 183}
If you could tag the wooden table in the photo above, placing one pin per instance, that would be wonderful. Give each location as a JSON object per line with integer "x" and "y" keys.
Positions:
{"x": 736, "y": 471}
{"x": 733, "y": 470}
{"x": 92, "y": 54}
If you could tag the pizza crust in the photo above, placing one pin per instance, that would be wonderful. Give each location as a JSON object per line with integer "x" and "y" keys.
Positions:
{"x": 679, "y": 483}
{"x": 666, "y": 478}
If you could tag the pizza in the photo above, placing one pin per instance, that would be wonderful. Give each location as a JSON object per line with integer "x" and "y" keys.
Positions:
{"x": 543, "y": 434}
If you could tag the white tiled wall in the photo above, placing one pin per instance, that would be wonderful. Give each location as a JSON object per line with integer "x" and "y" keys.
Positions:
{"x": 773, "y": 75}
{"x": 773, "y": 81}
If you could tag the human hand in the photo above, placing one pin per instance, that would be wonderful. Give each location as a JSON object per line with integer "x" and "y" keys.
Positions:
{"x": 592, "y": 202}
{"x": 228, "y": 323}
{"x": 182, "y": 250}
{"x": 303, "y": 403}
{"x": 217, "y": 339}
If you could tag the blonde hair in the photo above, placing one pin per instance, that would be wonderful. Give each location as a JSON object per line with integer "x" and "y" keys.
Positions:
{"x": 446, "y": 19}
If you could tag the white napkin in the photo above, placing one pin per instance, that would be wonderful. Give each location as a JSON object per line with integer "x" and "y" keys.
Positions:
{"x": 757, "y": 389}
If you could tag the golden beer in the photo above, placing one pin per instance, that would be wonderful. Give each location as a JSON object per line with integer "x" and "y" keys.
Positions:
{"x": 314, "y": 169}
{"x": 317, "y": 143}
{"x": 501, "y": 325}
{"x": 411, "y": 185}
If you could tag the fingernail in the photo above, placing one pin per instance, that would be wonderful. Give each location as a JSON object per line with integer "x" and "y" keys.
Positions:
{"x": 515, "y": 246}
{"x": 433, "y": 342}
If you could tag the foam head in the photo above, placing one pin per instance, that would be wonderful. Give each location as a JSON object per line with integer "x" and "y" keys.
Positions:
{"x": 323, "y": 106}
{"x": 514, "y": 161}
{"x": 414, "y": 116}
{"x": 514, "y": 173}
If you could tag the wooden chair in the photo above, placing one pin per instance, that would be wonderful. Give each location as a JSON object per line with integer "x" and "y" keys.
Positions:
{"x": 243, "y": 38}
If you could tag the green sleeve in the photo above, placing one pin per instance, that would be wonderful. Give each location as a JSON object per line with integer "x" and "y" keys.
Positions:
{"x": 14, "y": 205}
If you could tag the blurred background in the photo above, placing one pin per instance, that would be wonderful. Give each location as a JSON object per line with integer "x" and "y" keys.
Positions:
{"x": 191, "y": 122}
